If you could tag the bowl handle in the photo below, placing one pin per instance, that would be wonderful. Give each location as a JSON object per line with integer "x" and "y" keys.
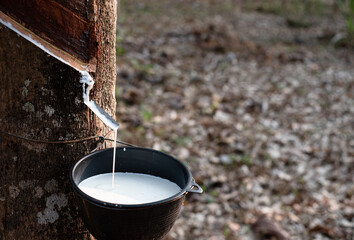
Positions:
{"x": 194, "y": 187}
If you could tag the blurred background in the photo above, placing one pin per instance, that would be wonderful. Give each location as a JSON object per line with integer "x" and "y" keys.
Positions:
{"x": 256, "y": 97}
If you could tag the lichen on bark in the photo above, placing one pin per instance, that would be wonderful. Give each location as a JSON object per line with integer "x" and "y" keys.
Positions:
{"x": 41, "y": 98}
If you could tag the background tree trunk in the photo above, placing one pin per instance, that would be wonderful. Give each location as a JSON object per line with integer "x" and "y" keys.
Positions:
{"x": 41, "y": 98}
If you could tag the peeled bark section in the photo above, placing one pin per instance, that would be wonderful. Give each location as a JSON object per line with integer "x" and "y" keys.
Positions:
{"x": 68, "y": 25}
{"x": 41, "y": 98}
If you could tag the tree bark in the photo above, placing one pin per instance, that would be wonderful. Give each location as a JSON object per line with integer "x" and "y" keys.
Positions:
{"x": 41, "y": 98}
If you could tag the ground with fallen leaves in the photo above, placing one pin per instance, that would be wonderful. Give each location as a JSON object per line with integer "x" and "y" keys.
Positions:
{"x": 257, "y": 99}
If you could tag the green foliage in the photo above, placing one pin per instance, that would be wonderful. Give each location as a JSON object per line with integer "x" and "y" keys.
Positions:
{"x": 213, "y": 193}
{"x": 246, "y": 159}
{"x": 119, "y": 45}
{"x": 226, "y": 231}
{"x": 347, "y": 8}
{"x": 144, "y": 68}
{"x": 145, "y": 113}
{"x": 116, "y": 91}
{"x": 183, "y": 140}
{"x": 350, "y": 17}
{"x": 296, "y": 192}
{"x": 120, "y": 51}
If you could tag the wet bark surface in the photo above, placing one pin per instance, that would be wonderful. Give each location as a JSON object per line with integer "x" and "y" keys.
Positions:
{"x": 41, "y": 98}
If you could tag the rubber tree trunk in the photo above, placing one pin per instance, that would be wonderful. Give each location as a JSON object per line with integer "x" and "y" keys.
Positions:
{"x": 41, "y": 98}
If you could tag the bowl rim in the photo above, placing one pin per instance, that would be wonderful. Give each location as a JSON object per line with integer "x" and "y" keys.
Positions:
{"x": 110, "y": 205}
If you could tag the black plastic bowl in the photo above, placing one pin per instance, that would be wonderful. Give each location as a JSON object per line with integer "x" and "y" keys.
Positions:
{"x": 147, "y": 221}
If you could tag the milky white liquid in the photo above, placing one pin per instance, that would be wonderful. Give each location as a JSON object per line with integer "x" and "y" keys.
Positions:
{"x": 130, "y": 188}
{"x": 114, "y": 156}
